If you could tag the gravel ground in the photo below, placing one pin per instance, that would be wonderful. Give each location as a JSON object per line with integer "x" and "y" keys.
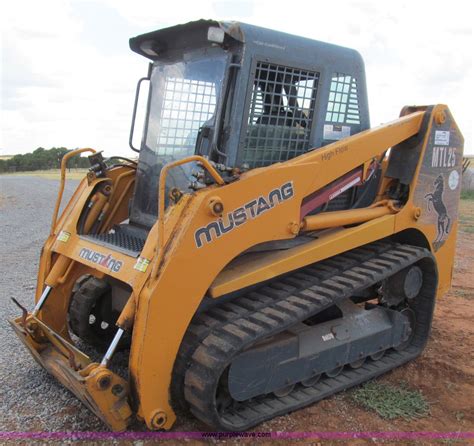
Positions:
{"x": 30, "y": 399}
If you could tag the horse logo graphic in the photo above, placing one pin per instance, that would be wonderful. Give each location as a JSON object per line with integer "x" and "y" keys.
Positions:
{"x": 435, "y": 201}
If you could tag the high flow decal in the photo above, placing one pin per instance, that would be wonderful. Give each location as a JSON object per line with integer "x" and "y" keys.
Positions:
{"x": 107, "y": 261}
{"x": 243, "y": 214}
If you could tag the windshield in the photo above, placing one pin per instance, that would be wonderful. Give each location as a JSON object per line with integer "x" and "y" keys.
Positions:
{"x": 183, "y": 98}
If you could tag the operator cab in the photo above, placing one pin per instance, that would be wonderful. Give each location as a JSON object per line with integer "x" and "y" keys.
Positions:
{"x": 242, "y": 96}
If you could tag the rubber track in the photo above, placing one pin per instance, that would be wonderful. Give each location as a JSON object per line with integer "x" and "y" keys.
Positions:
{"x": 203, "y": 323}
{"x": 221, "y": 333}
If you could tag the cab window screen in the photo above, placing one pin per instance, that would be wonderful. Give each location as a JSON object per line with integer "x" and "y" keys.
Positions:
{"x": 187, "y": 105}
{"x": 343, "y": 104}
{"x": 280, "y": 115}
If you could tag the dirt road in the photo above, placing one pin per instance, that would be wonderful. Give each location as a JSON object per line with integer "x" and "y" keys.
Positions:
{"x": 31, "y": 400}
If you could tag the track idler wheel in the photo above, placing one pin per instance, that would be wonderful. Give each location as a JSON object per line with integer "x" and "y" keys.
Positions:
{"x": 284, "y": 391}
{"x": 357, "y": 364}
{"x": 410, "y": 314}
{"x": 310, "y": 382}
{"x": 334, "y": 372}
{"x": 402, "y": 286}
{"x": 378, "y": 355}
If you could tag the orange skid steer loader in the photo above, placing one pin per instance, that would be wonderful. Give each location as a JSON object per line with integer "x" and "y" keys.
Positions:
{"x": 267, "y": 250}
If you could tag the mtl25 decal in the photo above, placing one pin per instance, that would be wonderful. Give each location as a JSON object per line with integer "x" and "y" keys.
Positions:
{"x": 439, "y": 181}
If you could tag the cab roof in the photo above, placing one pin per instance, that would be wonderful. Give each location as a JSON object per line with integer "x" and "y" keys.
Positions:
{"x": 194, "y": 34}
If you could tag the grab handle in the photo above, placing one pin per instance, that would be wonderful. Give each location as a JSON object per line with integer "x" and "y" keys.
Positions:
{"x": 64, "y": 161}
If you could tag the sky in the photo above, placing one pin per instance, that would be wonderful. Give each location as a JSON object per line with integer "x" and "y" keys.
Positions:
{"x": 68, "y": 76}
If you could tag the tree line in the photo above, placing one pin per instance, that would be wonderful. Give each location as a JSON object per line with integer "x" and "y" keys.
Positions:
{"x": 41, "y": 159}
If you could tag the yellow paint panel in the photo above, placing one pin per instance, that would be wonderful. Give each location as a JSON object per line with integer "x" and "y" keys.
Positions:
{"x": 254, "y": 268}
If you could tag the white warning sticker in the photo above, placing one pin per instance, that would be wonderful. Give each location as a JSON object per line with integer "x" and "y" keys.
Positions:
{"x": 336, "y": 132}
{"x": 327, "y": 337}
{"x": 441, "y": 138}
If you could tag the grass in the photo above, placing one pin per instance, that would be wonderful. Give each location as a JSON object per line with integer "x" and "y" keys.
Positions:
{"x": 390, "y": 401}
{"x": 467, "y": 195}
{"x": 466, "y": 214}
{"x": 54, "y": 174}
{"x": 465, "y": 294}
